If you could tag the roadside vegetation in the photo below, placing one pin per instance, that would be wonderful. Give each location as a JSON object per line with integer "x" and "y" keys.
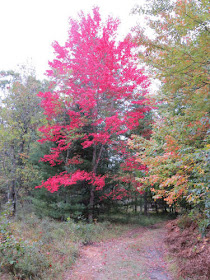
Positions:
{"x": 34, "y": 248}
{"x": 43, "y": 248}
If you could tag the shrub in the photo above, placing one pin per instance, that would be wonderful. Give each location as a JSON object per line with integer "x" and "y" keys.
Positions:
{"x": 18, "y": 256}
{"x": 85, "y": 233}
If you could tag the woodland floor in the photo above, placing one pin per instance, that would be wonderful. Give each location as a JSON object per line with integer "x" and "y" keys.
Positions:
{"x": 138, "y": 254}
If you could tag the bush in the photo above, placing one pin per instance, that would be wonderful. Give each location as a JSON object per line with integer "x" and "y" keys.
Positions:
{"x": 85, "y": 233}
{"x": 47, "y": 247}
{"x": 32, "y": 263}
{"x": 18, "y": 256}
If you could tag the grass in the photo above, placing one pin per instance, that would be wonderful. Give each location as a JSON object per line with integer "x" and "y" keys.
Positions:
{"x": 49, "y": 247}
{"x": 136, "y": 219}
{"x": 173, "y": 267}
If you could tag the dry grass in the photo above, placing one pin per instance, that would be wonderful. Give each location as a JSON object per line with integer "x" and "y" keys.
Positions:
{"x": 57, "y": 242}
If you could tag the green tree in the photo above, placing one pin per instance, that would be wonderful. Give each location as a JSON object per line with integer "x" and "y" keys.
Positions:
{"x": 20, "y": 115}
{"x": 177, "y": 53}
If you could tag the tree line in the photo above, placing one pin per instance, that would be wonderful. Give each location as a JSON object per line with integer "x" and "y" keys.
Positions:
{"x": 92, "y": 137}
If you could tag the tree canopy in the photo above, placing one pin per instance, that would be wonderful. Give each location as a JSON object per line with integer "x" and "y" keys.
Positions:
{"x": 98, "y": 97}
{"x": 177, "y": 155}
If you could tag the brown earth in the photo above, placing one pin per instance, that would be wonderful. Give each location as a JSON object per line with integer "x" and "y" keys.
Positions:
{"x": 190, "y": 248}
{"x": 138, "y": 254}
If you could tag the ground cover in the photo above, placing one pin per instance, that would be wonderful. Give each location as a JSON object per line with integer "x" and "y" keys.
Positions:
{"x": 138, "y": 248}
{"x": 139, "y": 253}
{"x": 190, "y": 248}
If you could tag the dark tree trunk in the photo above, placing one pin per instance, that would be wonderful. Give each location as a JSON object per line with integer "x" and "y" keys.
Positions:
{"x": 165, "y": 207}
{"x": 91, "y": 206}
{"x": 95, "y": 162}
{"x": 13, "y": 198}
{"x": 12, "y": 187}
{"x": 156, "y": 207}
{"x": 141, "y": 206}
{"x": 91, "y": 201}
{"x": 135, "y": 204}
{"x": 145, "y": 204}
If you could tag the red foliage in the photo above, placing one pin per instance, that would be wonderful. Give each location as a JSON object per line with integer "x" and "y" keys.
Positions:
{"x": 132, "y": 164}
{"x": 116, "y": 194}
{"x": 68, "y": 179}
{"x": 96, "y": 82}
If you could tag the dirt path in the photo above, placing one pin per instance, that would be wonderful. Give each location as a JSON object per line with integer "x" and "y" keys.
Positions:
{"x": 138, "y": 254}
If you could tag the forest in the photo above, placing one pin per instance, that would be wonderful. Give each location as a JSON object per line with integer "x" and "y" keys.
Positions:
{"x": 94, "y": 152}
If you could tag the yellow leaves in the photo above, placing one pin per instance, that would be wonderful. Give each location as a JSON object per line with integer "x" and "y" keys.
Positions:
{"x": 175, "y": 180}
{"x": 173, "y": 188}
{"x": 176, "y": 154}
{"x": 149, "y": 180}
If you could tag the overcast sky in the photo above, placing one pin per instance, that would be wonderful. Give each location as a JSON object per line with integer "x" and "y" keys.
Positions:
{"x": 28, "y": 27}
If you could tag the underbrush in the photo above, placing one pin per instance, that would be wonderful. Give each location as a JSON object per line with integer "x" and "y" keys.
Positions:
{"x": 190, "y": 248}
{"x": 33, "y": 248}
{"x": 136, "y": 219}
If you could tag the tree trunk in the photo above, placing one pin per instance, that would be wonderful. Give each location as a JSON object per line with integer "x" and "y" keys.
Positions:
{"x": 91, "y": 206}
{"x": 13, "y": 198}
{"x": 91, "y": 201}
{"x": 12, "y": 192}
{"x": 135, "y": 204}
{"x": 141, "y": 206}
{"x": 95, "y": 162}
{"x": 156, "y": 207}
{"x": 145, "y": 203}
{"x": 164, "y": 206}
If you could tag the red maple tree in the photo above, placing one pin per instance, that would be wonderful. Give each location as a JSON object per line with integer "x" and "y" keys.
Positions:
{"x": 96, "y": 84}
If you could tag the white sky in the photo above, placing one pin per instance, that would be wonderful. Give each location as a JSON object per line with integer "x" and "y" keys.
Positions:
{"x": 28, "y": 27}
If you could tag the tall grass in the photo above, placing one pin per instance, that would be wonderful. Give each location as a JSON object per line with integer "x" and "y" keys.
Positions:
{"x": 33, "y": 248}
